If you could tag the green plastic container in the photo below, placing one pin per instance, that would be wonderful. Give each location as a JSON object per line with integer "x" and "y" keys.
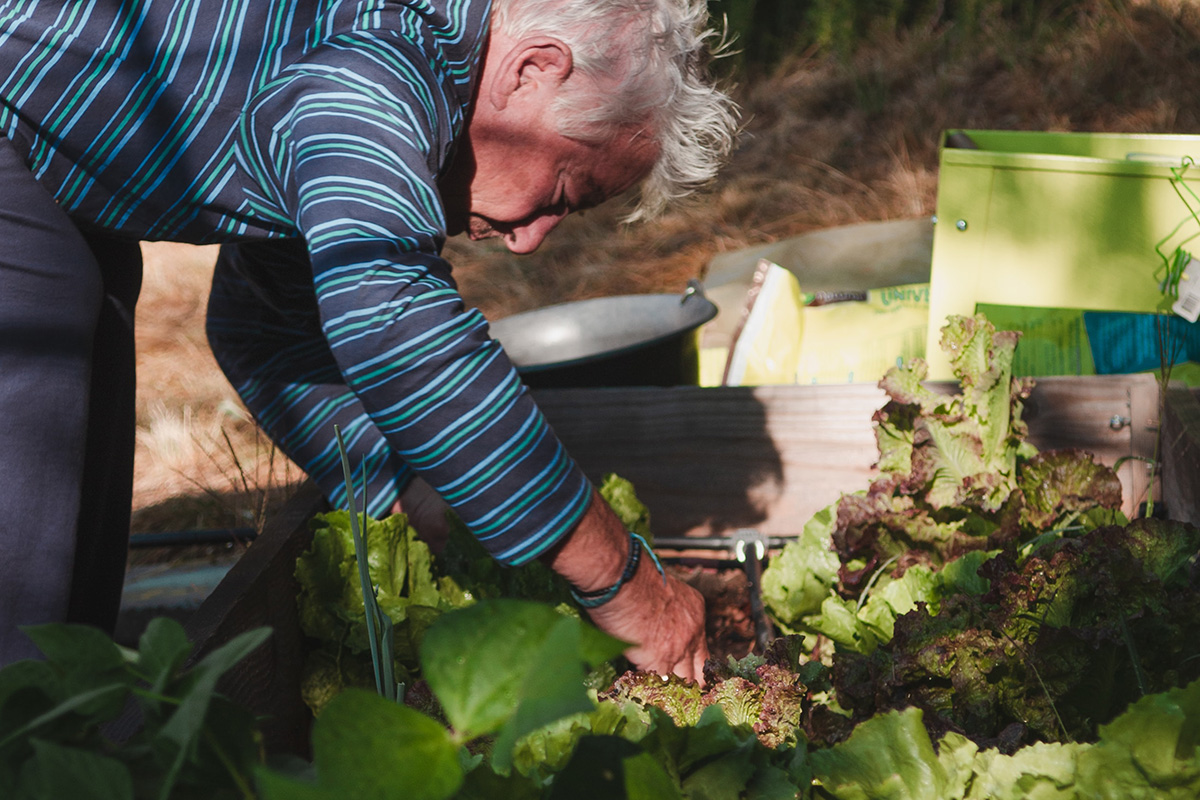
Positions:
{"x": 1055, "y": 220}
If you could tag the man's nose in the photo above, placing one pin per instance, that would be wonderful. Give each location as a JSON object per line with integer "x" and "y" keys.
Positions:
{"x": 528, "y": 236}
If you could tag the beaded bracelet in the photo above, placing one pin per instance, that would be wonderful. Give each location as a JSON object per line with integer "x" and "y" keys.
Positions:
{"x": 602, "y": 596}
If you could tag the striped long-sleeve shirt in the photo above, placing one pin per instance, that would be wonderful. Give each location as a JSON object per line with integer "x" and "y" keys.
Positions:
{"x": 219, "y": 120}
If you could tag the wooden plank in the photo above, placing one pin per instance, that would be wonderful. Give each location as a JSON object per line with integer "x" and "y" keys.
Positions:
{"x": 710, "y": 460}
{"x": 1181, "y": 454}
{"x": 1142, "y": 480}
{"x": 1114, "y": 417}
{"x": 261, "y": 590}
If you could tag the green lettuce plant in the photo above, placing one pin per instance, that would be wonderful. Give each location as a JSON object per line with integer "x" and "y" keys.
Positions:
{"x": 510, "y": 673}
{"x": 410, "y": 589}
{"x": 520, "y": 723}
{"x": 956, "y": 476}
{"x": 1061, "y": 642}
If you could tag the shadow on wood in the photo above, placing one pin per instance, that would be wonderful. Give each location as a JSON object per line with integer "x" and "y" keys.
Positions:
{"x": 261, "y": 590}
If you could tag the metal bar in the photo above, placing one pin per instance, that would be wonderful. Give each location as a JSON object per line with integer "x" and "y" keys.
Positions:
{"x": 712, "y": 542}
{"x": 192, "y": 537}
{"x": 764, "y": 631}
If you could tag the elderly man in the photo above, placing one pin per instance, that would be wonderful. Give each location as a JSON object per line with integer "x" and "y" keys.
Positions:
{"x": 350, "y": 139}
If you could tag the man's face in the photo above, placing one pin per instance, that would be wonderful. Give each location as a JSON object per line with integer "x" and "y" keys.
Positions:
{"x": 514, "y": 175}
{"x": 520, "y": 189}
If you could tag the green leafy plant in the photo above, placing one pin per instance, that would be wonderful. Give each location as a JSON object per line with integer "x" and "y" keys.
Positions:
{"x": 332, "y": 613}
{"x": 1149, "y": 751}
{"x": 522, "y": 726}
{"x": 409, "y": 588}
{"x": 192, "y": 742}
{"x": 500, "y": 670}
{"x": 509, "y": 675}
{"x": 956, "y": 476}
{"x": 1063, "y": 640}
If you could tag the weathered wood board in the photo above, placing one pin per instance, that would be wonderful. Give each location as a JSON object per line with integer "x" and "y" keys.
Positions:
{"x": 1181, "y": 454}
{"x": 261, "y": 590}
{"x": 710, "y": 460}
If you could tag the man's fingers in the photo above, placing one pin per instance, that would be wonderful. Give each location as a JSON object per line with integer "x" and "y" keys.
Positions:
{"x": 685, "y": 669}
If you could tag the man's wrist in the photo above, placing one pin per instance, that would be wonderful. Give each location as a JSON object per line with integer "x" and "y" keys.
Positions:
{"x": 594, "y": 554}
{"x": 638, "y": 548}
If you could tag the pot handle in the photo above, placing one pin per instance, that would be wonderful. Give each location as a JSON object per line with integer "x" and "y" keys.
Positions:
{"x": 694, "y": 288}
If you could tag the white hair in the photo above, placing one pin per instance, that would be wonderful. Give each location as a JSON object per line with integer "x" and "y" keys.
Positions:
{"x": 644, "y": 64}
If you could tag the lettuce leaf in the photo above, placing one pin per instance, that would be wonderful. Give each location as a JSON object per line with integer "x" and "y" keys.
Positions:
{"x": 1060, "y": 642}
{"x": 1151, "y": 751}
{"x": 956, "y": 480}
{"x": 619, "y": 494}
{"x": 331, "y": 606}
{"x": 797, "y": 581}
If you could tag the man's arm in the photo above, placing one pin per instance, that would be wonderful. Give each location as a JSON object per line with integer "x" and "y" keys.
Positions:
{"x": 662, "y": 617}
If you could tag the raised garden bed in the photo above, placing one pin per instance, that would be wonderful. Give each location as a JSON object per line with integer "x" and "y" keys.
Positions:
{"x": 708, "y": 462}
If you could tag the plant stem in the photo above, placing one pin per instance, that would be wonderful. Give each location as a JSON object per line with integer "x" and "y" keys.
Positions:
{"x": 238, "y": 779}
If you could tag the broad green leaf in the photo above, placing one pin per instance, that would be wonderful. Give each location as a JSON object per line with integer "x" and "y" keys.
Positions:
{"x": 798, "y": 767}
{"x": 56, "y": 771}
{"x": 552, "y": 691}
{"x": 87, "y": 658}
{"x": 918, "y": 585}
{"x": 888, "y": 757}
{"x": 275, "y": 786}
{"x": 595, "y": 646}
{"x": 76, "y": 647}
{"x": 162, "y": 649}
{"x": 1150, "y": 751}
{"x": 682, "y": 750}
{"x": 711, "y": 735}
{"x": 796, "y": 581}
{"x": 477, "y": 659}
{"x": 723, "y": 778}
{"x": 484, "y": 784}
{"x": 962, "y": 574}
{"x": 71, "y": 705}
{"x": 839, "y": 621}
{"x": 772, "y": 783}
{"x": 1041, "y": 771}
{"x": 611, "y": 768}
{"x": 367, "y": 748}
{"x": 956, "y": 754}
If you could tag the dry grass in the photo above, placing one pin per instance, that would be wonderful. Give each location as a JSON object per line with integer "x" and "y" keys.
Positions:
{"x": 200, "y": 461}
{"x": 827, "y": 142}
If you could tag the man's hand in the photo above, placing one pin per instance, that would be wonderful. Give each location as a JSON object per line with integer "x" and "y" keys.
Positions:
{"x": 663, "y": 619}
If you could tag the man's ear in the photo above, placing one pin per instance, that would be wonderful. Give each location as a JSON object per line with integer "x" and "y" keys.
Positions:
{"x": 533, "y": 63}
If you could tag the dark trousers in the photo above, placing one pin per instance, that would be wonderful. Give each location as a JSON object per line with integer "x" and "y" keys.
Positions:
{"x": 66, "y": 413}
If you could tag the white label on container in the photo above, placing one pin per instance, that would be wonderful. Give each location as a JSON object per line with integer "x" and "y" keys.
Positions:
{"x": 1188, "y": 304}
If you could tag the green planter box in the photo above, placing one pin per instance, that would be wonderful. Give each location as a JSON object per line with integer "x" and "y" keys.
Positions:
{"x": 1055, "y": 220}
